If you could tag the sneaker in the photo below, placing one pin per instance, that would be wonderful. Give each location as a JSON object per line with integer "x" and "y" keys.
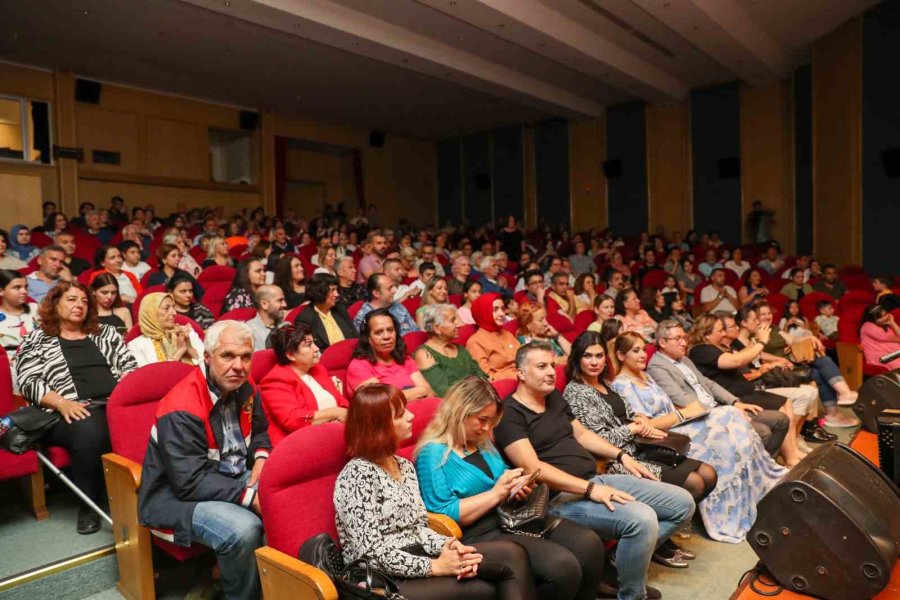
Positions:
{"x": 803, "y": 446}
{"x": 840, "y": 421}
{"x": 848, "y": 400}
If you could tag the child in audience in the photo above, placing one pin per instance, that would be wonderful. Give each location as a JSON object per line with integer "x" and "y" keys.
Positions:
{"x": 827, "y": 320}
{"x": 132, "y": 263}
{"x": 670, "y": 288}
{"x": 793, "y": 321}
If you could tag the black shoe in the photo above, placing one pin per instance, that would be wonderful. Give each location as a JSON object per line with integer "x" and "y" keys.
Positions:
{"x": 653, "y": 593}
{"x": 606, "y": 590}
{"x": 675, "y": 561}
{"x": 817, "y": 435}
{"x": 88, "y": 521}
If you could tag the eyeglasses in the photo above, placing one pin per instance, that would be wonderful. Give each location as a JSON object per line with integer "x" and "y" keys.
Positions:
{"x": 677, "y": 338}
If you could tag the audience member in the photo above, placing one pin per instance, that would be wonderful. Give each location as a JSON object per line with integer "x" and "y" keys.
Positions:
{"x": 633, "y": 317}
{"x": 772, "y": 261}
{"x": 688, "y": 280}
{"x": 18, "y": 316}
{"x": 373, "y": 262}
{"x": 489, "y": 277}
{"x": 50, "y": 272}
{"x": 718, "y": 296}
{"x": 802, "y": 264}
{"x": 538, "y": 431}
{"x": 204, "y": 460}
{"x": 793, "y": 321}
{"x": 723, "y": 438}
{"x": 471, "y": 293}
{"x": 796, "y": 288}
{"x": 110, "y": 309}
{"x": 604, "y": 308}
{"x": 131, "y": 259}
{"x": 533, "y": 326}
{"x": 884, "y": 294}
{"x": 289, "y": 276}
{"x": 380, "y": 357}
{"x": 560, "y": 300}
{"x": 460, "y": 270}
{"x": 349, "y": 291}
{"x": 248, "y": 277}
{"x": 181, "y": 287}
{"x": 71, "y": 364}
{"x": 826, "y": 320}
{"x": 879, "y": 335}
{"x": 20, "y": 245}
{"x": 829, "y": 282}
{"x": 585, "y": 292}
{"x": 216, "y": 252}
{"x": 737, "y": 262}
{"x": 75, "y": 265}
{"x": 492, "y": 347}
{"x": 615, "y": 282}
{"x": 435, "y": 292}
{"x": 8, "y": 260}
{"x": 394, "y": 270}
{"x": 270, "y": 309}
{"x": 710, "y": 264}
{"x": 382, "y": 290}
{"x": 440, "y": 360}
{"x": 327, "y": 261}
{"x": 108, "y": 259}
{"x": 54, "y": 224}
{"x": 326, "y": 318}
{"x": 654, "y": 303}
{"x": 753, "y": 289}
{"x": 162, "y": 338}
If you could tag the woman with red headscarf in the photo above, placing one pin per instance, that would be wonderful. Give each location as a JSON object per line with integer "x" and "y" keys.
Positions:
{"x": 492, "y": 347}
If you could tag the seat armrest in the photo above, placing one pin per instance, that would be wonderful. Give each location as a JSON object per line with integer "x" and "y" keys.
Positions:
{"x": 284, "y": 577}
{"x": 444, "y": 525}
{"x": 124, "y": 465}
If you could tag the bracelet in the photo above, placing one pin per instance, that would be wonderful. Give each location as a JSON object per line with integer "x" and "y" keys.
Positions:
{"x": 590, "y": 488}
{"x": 620, "y": 455}
{"x": 679, "y": 415}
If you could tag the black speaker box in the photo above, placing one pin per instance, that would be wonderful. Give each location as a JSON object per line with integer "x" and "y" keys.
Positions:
{"x": 249, "y": 120}
{"x": 87, "y": 91}
{"x": 729, "y": 167}
{"x": 891, "y": 160}
{"x": 376, "y": 139}
{"x": 875, "y": 395}
{"x": 482, "y": 181}
{"x": 831, "y": 527}
{"x": 612, "y": 168}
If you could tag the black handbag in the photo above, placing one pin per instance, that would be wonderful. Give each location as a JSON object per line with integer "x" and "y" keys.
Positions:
{"x": 669, "y": 451}
{"x": 529, "y": 516}
{"x": 781, "y": 377}
{"x": 25, "y": 427}
{"x": 360, "y": 580}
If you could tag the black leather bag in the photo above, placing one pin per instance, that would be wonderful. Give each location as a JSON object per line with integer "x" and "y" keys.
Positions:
{"x": 360, "y": 580}
{"x": 529, "y": 516}
{"x": 26, "y": 427}
{"x": 669, "y": 451}
{"x": 780, "y": 377}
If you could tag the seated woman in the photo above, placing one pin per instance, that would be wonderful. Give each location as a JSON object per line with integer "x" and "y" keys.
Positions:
{"x": 463, "y": 476}
{"x": 634, "y": 318}
{"x": 723, "y": 439}
{"x": 169, "y": 257}
{"x": 793, "y": 322}
{"x": 71, "y": 364}
{"x": 603, "y": 411}
{"x": 288, "y": 274}
{"x": 8, "y": 260}
{"x": 753, "y": 289}
{"x": 688, "y": 280}
{"x": 110, "y": 310}
{"x": 20, "y": 244}
{"x": 380, "y": 515}
{"x": 654, "y": 303}
{"x": 327, "y": 261}
{"x": 737, "y": 263}
{"x": 585, "y": 292}
{"x": 108, "y": 259}
{"x": 604, "y": 308}
{"x": 326, "y": 318}
{"x": 471, "y": 293}
{"x": 180, "y": 240}
{"x": 250, "y": 274}
{"x": 217, "y": 253}
{"x": 435, "y": 293}
{"x": 533, "y": 325}
{"x": 460, "y": 270}
{"x": 440, "y": 361}
{"x": 298, "y": 391}
{"x": 181, "y": 287}
{"x": 161, "y": 338}
{"x": 833, "y": 389}
{"x": 408, "y": 260}
{"x": 18, "y": 316}
{"x": 879, "y": 334}
{"x": 492, "y": 347}
{"x": 714, "y": 358}
{"x": 380, "y": 357}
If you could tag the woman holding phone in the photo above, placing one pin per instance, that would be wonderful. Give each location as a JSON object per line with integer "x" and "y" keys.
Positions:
{"x": 462, "y": 475}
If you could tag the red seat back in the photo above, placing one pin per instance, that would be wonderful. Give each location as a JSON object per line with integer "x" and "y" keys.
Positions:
{"x": 412, "y": 304}
{"x": 237, "y": 251}
{"x": 198, "y": 254}
{"x": 39, "y": 239}
{"x": 413, "y": 340}
{"x": 214, "y": 295}
{"x": 650, "y": 349}
{"x": 263, "y": 361}
{"x": 808, "y": 304}
{"x": 238, "y": 314}
{"x": 561, "y": 379}
{"x": 292, "y": 315}
{"x": 136, "y": 307}
{"x": 216, "y": 273}
{"x": 505, "y": 387}
{"x": 655, "y": 279}
{"x": 354, "y": 308}
{"x": 583, "y": 319}
{"x": 857, "y": 282}
{"x": 132, "y": 406}
{"x": 559, "y": 322}
{"x": 465, "y": 332}
{"x": 336, "y": 358}
{"x": 455, "y": 300}
{"x": 856, "y": 298}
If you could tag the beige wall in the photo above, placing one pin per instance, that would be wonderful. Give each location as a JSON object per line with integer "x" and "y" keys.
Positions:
{"x": 334, "y": 172}
{"x": 587, "y": 183}
{"x": 669, "y": 168}
{"x": 166, "y": 199}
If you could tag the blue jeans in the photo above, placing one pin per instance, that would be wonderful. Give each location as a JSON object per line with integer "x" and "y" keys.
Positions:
{"x": 234, "y": 533}
{"x": 640, "y": 525}
{"x": 825, "y": 373}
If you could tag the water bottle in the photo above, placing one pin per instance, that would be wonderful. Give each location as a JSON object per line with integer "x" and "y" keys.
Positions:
{"x": 5, "y": 424}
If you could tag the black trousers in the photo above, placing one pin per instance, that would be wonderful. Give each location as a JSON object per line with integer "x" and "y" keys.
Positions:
{"x": 567, "y": 565}
{"x": 86, "y": 440}
{"x": 502, "y": 575}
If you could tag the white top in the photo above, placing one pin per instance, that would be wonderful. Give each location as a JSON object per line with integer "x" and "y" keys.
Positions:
{"x": 126, "y": 288}
{"x": 709, "y": 293}
{"x": 324, "y": 399}
{"x": 139, "y": 270}
{"x": 739, "y": 268}
{"x": 144, "y": 352}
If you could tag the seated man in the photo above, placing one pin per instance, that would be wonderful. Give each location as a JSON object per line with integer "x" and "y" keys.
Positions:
{"x": 682, "y": 382}
{"x": 270, "y": 308}
{"x": 829, "y": 283}
{"x": 51, "y": 270}
{"x": 539, "y": 431}
{"x": 718, "y": 296}
{"x": 76, "y": 266}
{"x": 381, "y": 290}
{"x": 489, "y": 277}
{"x": 561, "y": 299}
{"x": 200, "y": 474}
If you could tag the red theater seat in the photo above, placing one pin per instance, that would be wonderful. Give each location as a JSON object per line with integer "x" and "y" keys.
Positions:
{"x": 413, "y": 340}
{"x": 262, "y": 363}
{"x": 238, "y": 314}
{"x": 336, "y": 358}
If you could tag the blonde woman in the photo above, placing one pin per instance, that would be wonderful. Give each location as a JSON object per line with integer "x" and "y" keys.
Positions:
{"x": 217, "y": 253}
{"x": 435, "y": 293}
{"x": 462, "y": 475}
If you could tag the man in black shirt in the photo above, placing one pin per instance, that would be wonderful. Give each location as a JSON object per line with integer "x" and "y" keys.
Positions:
{"x": 539, "y": 431}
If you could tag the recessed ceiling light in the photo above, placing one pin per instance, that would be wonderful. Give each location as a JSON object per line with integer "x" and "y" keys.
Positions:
{"x": 86, "y": 13}
{"x": 452, "y": 2}
{"x": 462, "y": 38}
{"x": 227, "y": 3}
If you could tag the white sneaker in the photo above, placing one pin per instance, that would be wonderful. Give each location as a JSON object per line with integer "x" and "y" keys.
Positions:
{"x": 848, "y": 400}
{"x": 840, "y": 421}
{"x": 803, "y": 446}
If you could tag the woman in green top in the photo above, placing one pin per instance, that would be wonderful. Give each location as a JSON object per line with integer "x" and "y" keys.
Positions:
{"x": 442, "y": 362}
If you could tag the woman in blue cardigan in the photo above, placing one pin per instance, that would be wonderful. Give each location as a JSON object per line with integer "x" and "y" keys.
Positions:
{"x": 462, "y": 475}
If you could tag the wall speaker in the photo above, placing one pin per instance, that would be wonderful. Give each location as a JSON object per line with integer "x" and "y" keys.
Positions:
{"x": 376, "y": 139}
{"x": 831, "y": 527}
{"x": 612, "y": 168}
{"x": 729, "y": 167}
{"x": 87, "y": 91}
{"x": 891, "y": 160}
{"x": 249, "y": 120}
{"x": 482, "y": 181}
{"x": 875, "y": 395}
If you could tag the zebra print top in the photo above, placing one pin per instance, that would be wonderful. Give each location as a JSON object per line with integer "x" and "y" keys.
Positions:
{"x": 41, "y": 366}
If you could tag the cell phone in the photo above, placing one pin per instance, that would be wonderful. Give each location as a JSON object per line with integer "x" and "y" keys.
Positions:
{"x": 528, "y": 481}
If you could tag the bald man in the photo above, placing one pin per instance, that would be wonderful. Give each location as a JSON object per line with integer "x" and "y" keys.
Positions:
{"x": 270, "y": 308}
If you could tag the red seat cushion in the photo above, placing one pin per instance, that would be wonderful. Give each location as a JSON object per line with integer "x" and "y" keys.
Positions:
{"x": 336, "y": 358}
{"x": 216, "y": 273}
{"x": 465, "y": 332}
{"x": 12, "y": 465}
{"x": 238, "y": 314}
{"x": 263, "y": 361}
{"x": 413, "y": 340}
{"x": 214, "y": 295}
{"x": 505, "y": 387}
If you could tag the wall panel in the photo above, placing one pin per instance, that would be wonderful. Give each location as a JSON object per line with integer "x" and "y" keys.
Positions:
{"x": 767, "y": 156}
{"x": 476, "y": 168}
{"x": 803, "y": 153}
{"x": 507, "y": 173}
{"x": 449, "y": 169}
{"x": 669, "y": 168}
{"x": 715, "y": 135}
{"x": 587, "y": 151}
{"x": 837, "y": 100}
{"x": 626, "y": 141}
{"x": 551, "y": 156}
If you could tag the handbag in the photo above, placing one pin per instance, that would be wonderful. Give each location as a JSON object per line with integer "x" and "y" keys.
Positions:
{"x": 670, "y": 451}
{"x": 360, "y": 580}
{"x": 22, "y": 429}
{"x": 529, "y": 516}
{"x": 780, "y": 377}
{"x": 804, "y": 350}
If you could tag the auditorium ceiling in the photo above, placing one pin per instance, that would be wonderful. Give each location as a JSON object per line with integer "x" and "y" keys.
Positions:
{"x": 427, "y": 68}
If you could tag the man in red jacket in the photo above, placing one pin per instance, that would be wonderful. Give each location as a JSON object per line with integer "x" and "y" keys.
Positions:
{"x": 207, "y": 450}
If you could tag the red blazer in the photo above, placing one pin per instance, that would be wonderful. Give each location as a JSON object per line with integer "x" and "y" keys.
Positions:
{"x": 289, "y": 403}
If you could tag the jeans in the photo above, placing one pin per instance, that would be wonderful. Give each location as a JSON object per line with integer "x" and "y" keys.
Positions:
{"x": 825, "y": 373}
{"x": 234, "y": 533}
{"x": 640, "y": 525}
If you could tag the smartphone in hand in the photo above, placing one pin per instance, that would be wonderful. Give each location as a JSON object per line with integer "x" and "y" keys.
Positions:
{"x": 529, "y": 481}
